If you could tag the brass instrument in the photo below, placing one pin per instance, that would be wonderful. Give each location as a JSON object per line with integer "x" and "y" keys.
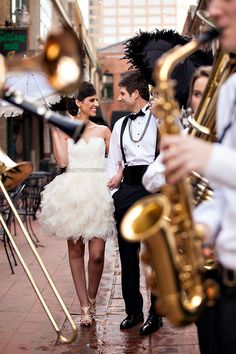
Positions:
{"x": 61, "y": 61}
{"x": 11, "y": 175}
{"x": 164, "y": 222}
{"x": 73, "y": 128}
{"x": 202, "y": 124}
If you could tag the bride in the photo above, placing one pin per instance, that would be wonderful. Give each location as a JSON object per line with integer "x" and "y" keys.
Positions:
{"x": 77, "y": 204}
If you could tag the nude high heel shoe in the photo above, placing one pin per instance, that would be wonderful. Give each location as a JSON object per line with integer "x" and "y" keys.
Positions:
{"x": 92, "y": 307}
{"x": 86, "y": 317}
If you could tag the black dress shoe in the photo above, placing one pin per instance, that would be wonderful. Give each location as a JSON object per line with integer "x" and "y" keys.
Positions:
{"x": 152, "y": 325}
{"x": 131, "y": 321}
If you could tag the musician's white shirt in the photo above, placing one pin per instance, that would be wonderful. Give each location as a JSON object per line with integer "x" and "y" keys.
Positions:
{"x": 136, "y": 153}
{"x": 154, "y": 178}
{"x": 220, "y": 213}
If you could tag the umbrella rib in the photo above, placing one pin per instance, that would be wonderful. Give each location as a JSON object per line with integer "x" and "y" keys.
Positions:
{"x": 17, "y": 80}
{"x": 43, "y": 98}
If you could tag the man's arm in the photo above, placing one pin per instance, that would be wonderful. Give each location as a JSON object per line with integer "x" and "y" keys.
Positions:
{"x": 114, "y": 162}
{"x": 154, "y": 177}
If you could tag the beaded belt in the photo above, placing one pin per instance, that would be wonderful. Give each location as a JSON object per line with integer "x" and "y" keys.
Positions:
{"x": 85, "y": 169}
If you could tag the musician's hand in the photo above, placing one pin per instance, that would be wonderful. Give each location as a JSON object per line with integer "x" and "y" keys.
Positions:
{"x": 182, "y": 155}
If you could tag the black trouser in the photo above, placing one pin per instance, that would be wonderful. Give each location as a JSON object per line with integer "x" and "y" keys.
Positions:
{"x": 129, "y": 252}
{"x": 217, "y": 325}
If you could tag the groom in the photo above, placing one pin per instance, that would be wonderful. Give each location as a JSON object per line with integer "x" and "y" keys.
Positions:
{"x": 134, "y": 143}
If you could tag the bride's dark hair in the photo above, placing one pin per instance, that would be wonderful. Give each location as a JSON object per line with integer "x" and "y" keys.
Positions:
{"x": 86, "y": 89}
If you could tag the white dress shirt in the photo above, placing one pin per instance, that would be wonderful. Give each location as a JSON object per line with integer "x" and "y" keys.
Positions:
{"x": 220, "y": 212}
{"x": 136, "y": 153}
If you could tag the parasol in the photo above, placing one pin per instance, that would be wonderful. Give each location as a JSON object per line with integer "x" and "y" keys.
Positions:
{"x": 31, "y": 84}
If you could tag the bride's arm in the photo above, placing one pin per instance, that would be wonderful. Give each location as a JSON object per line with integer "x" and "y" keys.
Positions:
{"x": 59, "y": 143}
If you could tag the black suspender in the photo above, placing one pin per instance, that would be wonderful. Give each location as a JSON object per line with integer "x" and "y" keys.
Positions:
{"x": 123, "y": 126}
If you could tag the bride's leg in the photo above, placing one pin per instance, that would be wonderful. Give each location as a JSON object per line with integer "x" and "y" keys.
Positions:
{"x": 95, "y": 265}
{"x": 76, "y": 259}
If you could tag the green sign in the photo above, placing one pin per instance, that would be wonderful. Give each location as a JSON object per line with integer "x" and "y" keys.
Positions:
{"x": 13, "y": 40}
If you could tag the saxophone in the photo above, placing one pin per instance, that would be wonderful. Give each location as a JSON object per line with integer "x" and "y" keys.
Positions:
{"x": 202, "y": 125}
{"x": 165, "y": 223}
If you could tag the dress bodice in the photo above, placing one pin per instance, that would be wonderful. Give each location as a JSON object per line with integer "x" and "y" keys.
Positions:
{"x": 86, "y": 154}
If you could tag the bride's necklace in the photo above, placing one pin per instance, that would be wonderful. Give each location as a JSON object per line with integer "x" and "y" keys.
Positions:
{"x": 144, "y": 129}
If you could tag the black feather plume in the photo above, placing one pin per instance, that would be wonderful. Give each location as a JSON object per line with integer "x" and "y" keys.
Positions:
{"x": 145, "y": 48}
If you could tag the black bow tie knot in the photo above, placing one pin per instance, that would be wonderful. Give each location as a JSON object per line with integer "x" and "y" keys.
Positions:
{"x": 133, "y": 116}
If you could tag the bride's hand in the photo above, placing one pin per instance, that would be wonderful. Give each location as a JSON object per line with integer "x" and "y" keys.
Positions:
{"x": 114, "y": 182}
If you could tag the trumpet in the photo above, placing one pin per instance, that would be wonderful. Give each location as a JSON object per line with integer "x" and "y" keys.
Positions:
{"x": 61, "y": 61}
{"x": 11, "y": 175}
{"x": 72, "y": 128}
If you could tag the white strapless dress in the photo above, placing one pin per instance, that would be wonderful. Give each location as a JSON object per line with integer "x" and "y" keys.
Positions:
{"x": 78, "y": 204}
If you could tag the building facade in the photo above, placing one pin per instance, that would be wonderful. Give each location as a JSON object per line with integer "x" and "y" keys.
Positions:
{"x": 113, "y": 21}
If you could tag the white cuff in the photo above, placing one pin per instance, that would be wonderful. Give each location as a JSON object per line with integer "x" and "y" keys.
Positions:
{"x": 221, "y": 168}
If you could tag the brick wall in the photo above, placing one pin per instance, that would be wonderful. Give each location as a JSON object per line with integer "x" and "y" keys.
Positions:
{"x": 5, "y": 12}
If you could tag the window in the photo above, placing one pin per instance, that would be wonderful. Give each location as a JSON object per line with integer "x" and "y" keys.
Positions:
{"x": 169, "y": 10}
{"x": 108, "y": 21}
{"x": 109, "y": 30}
{"x": 124, "y": 2}
{"x": 154, "y": 20}
{"x": 109, "y": 12}
{"x": 139, "y": 20}
{"x": 125, "y": 11}
{"x": 109, "y": 2}
{"x": 170, "y": 2}
{"x": 107, "y": 90}
{"x": 109, "y": 40}
{"x": 123, "y": 20}
{"x": 140, "y": 2}
{"x": 17, "y": 5}
{"x": 139, "y": 11}
{"x": 167, "y": 19}
{"x": 125, "y": 30}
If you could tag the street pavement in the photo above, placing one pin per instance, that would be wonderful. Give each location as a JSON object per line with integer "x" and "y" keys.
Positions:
{"x": 25, "y": 327}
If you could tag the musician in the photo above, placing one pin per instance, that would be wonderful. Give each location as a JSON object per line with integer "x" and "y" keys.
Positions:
{"x": 197, "y": 86}
{"x": 134, "y": 143}
{"x": 153, "y": 178}
{"x": 217, "y": 327}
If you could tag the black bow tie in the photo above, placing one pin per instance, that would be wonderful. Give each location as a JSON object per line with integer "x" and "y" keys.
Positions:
{"x": 133, "y": 116}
